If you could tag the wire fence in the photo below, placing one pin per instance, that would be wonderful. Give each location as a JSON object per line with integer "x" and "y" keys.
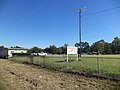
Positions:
{"x": 99, "y": 67}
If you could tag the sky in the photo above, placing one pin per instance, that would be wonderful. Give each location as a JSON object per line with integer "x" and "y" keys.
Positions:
{"x": 41, "y": 23}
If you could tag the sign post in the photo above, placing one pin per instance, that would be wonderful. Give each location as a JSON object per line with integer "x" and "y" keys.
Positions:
{"x": 73, "y": 51}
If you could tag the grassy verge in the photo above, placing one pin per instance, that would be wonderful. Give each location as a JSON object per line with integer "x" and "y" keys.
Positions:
{"x": 2, "y": 87}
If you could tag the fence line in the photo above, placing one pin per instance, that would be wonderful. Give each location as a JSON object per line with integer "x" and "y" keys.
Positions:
{"x": 108, "y": 68}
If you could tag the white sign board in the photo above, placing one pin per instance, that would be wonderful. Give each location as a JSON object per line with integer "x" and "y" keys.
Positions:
{"x": 72, "y": 50}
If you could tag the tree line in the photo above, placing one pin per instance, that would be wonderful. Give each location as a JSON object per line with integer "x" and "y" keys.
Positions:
{"x": 100, "y": 47}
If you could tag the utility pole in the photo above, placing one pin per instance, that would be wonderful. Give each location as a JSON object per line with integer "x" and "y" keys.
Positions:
{"x": 80, "y": 28}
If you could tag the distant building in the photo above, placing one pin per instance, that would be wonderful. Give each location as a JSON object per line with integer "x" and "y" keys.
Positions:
{"x": 7, "y": 52}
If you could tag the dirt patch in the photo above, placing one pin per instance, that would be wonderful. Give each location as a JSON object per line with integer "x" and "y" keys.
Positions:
{"x": 24, "y": 77}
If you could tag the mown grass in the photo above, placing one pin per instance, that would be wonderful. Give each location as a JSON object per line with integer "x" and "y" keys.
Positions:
{"x": 107, "y": 66}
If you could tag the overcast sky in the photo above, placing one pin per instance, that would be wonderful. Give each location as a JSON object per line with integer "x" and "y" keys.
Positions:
{"x": 41, "y": 23}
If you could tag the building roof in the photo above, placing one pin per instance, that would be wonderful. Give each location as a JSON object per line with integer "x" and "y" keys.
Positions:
{"x": 13, "y": 49}
{"x": 17, "y": 49}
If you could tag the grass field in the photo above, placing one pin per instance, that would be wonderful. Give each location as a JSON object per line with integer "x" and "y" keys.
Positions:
{"x": 107, "y": 66}
{"x": 2, "y": 87}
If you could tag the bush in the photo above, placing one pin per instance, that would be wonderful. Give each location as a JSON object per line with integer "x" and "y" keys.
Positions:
{"x": 21, "y": 54}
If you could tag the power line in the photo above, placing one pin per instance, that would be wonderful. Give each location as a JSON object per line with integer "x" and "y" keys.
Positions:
{"x": 102, "y": 11}
{"x": 31, "y": 8}
{"x": 42, "y": 9}
{"x": 25, "y": 13}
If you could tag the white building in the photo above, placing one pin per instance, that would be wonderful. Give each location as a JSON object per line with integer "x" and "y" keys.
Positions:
{"x": 7, "y": 52}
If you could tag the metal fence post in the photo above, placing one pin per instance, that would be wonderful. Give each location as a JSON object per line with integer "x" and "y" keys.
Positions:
{"x": 44, "y": 64}
{"x": 98, "y": 66}
{"x": 31, "y": 59}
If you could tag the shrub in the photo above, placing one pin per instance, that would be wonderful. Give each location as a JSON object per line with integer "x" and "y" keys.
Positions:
{"x": 21, "y": 54}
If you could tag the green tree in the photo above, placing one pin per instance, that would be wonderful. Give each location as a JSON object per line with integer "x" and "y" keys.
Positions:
{"x": 15, "y": 47}
{"x": 116, "y": 46}
{"x": 35, "y": 50}
{"x": 98, "y": 46}
{"x": 53, "y": 49}
{"x": 64, "y": 49}
{"x": 107, "y": 48}
{"x": 85, "y": 47}
{"x": 47, "y": 50}
{"x": 2, "y": 47}
{"x": 77, "y": 45}
{"x": 59, "y": 50}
